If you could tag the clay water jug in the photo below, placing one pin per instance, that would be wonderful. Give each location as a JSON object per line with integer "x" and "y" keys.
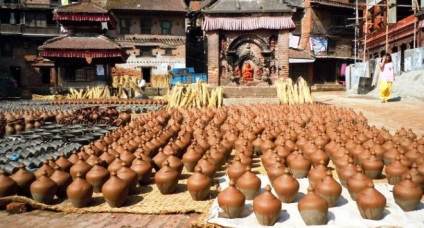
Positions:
{"x": 313, "y": 208}
{"x": 317, "y": 173}
{"x": 267, "y": 207}
{"x": 143, "y": 170}
{"x": 175, "y": 163}
{"x": 249, "y": 184}
{"x": 8, "y": 187}
{"x": 231, "y": 200}
{"x": 80, "y": 167}
{"x": 407, "y": 194}
{"x": 373, "y": 166}
{"x": 329, "y": 189}
{"x": 357, "y": 182}
{"x": 80, "y": 192}
{"x": 97, "y": 176}
{"x": 416, "y": 176}
{"x": 346, "y": 172}
{"x": 64, "y": 163}
{"x": 371, "y": 203}
{"x": 207, "y": 165}
{"x": 190, "y": 158}
{"x": 115, "y": 165}
{"x": 166, "y": 179}
{"x": 23, "y": 178}
{"x": 115, "y": 191}
{"x": 394, "y": 171}
{"x": 286, "y": 187}
{"x": 43, "y": 189}
{"x": 128, "y": 175}
{"x": 45, "y": 167}
{"x": 299, "y": 166}
{"x": 198, "y": 184}
{"x": 236, "y": 169}
{"x": 276, "y": 170}
{"x": 63, "y": 180}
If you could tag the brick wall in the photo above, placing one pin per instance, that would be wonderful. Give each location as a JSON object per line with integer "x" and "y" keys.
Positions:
{"x": 282, "y": 53}
{"x": 213, "y": 55}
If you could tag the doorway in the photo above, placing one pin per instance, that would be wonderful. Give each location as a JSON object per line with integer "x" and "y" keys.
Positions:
{"x": 45, "y": 75}
{"x": 146, "y": 72}
{"x": 15, "y": 73}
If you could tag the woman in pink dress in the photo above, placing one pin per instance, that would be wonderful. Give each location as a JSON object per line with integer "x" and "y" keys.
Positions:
{"x": 387, "y": 77}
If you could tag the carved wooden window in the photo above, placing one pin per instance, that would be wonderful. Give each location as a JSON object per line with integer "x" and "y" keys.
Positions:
{"x": 166, "y": 27}
{"x": 146, "y": 26}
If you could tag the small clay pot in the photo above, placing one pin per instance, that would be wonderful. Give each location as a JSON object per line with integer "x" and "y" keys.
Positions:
{"x": 43, "y": 189}
{"x": 8, "y": 187}
{"x": 80, "y": 192}
{"x": 115, "y": 191}
{"x": 329, "y": 189}
{"x": 267, "y": 207}
{"x": 286, "y": 187}
{"x": 199, "y": 185}
{"x": 313, "y": 208}
{"x": 143, "y": 169}
{"x": 166, "y": 179}
{"x": 236, "y": 169}
{"x": 357, "y": 182}
{"x": 23, "y": 178}
{"x": 63, "y": 180}
{"x": 231, "y": 200}
{"x": 249, "y": 184}
{"x": 129, "y": 176}
{"x": 407, "y": 194}
{"x": 97, "y": 176}
{"x": 371, "y": 203}
{"x": 80, "y": 167}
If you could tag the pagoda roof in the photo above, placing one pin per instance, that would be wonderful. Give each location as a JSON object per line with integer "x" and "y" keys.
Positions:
{"x": 80, "y": 7}
{"x": 148, "y": 5}
{"x": 246, "y": 6}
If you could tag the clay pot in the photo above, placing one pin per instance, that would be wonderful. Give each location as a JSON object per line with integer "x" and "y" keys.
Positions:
{"x": 231, "y": 200}
{"x": 115, "y": 165}
{"x": 313, "y": 208}
{"x": 267, "y": 207}
{"x": 97, "y": 176}
{"x": 80, "y": 167}
{"x": 174, "y": 163}
{"x": 407, "y": 194}
{"x": 23, "y": 178}
{"x": 357, "y": 182}
{"x": 64, "y": 163}
{"x": 199, "y": 185}
{"x": 8, "y": 187}
{"x": 329, "y": 189}
{"x": 416, "y": 176}
{"x": 130, "y": 176}
{"x": 286, "y": 187}
{"x": 275, "y": 170}
{"x": 190, "y": 158}
{"x": 249, "y": 184}
{"x": 80, "y": 192}
{"x": 299, "y": 165}
{"x": 394, "y": 171}
{"x": 372, "y": 166}
{"x": 346, "y": 172}
{"x": 166, "y": 179}
{"x": 143, "y": 170}
{"x": 45, "y": 167}
{"x": 371, "y": 203}
{"x": 115, "y": 191}
{"x": 43, "y": 189}
{"x": 317, "y": 174}
{"x": 62, "y": 179}
{"x": 236, "y": 169}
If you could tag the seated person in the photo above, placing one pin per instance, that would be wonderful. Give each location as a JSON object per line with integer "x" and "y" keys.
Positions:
{"x": 247, "y": 73}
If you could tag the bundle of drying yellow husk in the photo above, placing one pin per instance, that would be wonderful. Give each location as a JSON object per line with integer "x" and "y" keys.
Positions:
{"x": 37, "y": 97}
{"x": 297, "y": 93}
{"x": 160, "y": 81}
{"x": 89, "y": 93}
{"x": 194, "y": 95}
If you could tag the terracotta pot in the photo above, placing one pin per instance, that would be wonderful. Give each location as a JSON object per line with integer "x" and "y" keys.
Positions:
{"x": 286, "y": 187}
{"x": 313, "y": 208}
{"x": 249, "y": 184}
{"x": 371, "y": 203}
{"x": 97, "y": 176}
{"x": 329, "y": 189}
{"x": 236, "y": 169}
{"x": 63, "y": 180}
{"x": 80, "y": 167}
{"x": 267, "y": 207}
{"x": 130, "y": 176}
{"x": 143, "y": 169}
{"x": 80, "y": 192}
{"x": 207, "y": 165}
{"x": 8, "y": 187}
{"x": 317, "y": 174}
{"x": 64, "y": 163}
{"x": 190, "y": 158}
{"x": 115, "y": 191}
{"x": 373, "y": 166}
{"x": 45, "y": 167}
{"x": 299, "y": 166}
{"x": 231, "y": 200}
{"x": 115, "y": 165}
{"x": 43, "y": 189}
{"x": 166, "y": 179}
{"x": 407, "y": 194}
{"x": 394, "y": 171}
{"x": 199, "y": 185}
{"x": 357, "y": 182}
{"x": 23, "y": 178}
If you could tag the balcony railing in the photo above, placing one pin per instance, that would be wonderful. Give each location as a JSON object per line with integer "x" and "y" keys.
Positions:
{"x": 52, "y": 30}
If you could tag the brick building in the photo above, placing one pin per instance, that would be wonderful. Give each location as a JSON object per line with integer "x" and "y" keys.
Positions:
{"x": 240, "y": 35}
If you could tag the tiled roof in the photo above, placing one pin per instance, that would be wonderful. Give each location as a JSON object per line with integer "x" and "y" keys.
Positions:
{"x": 81, "y": 7}
{"x": 80, "y": 43}
{"x": 150, "y": 5}
{"x": 299, "y": 54}
{"x": 248, "y": 6}
{"x": 176, "y": 40}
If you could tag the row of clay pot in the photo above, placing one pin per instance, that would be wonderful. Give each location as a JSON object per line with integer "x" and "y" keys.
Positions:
{"x": 110, "y": 101}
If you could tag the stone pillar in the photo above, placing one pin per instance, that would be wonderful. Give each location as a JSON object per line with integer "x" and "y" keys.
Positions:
{"x": 306, "y": 26}
{"x": 282, "y": 53}
{"x": 213, "y": 57}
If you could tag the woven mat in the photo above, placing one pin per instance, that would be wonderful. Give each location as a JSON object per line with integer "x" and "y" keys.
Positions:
{"x": 148, "y": 201}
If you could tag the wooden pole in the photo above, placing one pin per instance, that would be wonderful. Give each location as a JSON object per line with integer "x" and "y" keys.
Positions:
{"x": 387, "y": 26}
